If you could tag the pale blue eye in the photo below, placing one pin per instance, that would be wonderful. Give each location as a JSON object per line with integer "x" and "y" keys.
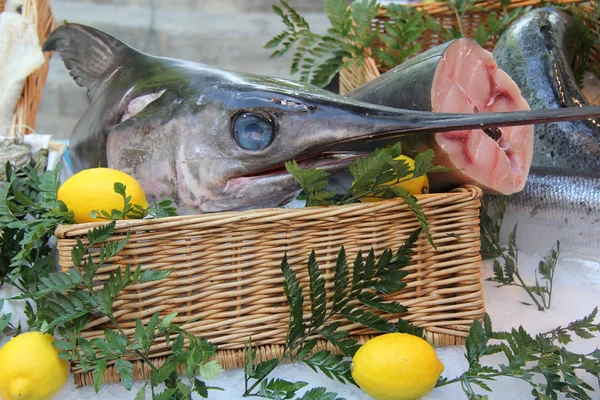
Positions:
{"x": 253, "y": 131}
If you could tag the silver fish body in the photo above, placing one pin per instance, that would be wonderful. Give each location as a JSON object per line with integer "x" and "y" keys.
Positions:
{"x": 538, "y": 52}
{"x": 215, "y": 140}
{"x": 557, "y": 205}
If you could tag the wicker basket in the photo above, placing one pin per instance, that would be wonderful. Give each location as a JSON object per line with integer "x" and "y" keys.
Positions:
{"x": 39, "y": 12}
{"x": 355, "y": 76}
{"x": 227, "y": 281}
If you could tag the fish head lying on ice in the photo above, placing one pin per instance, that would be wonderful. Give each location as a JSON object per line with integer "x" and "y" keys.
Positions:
{"x": 216, "y": 140}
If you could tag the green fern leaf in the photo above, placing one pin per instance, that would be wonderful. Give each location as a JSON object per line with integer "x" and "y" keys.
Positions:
{"x": 100, "y": 233}
{"x": 416, "y": 209}
{"x": 340, "y": 282}
{"x": 406, "y": 327}
{"x": 339, "y": 15}
{"x": 318, "y": 301}
{"x": 125, "y": 371}
{"x": 332, "y": 365}
{"x": 312, "y": 181}
{"x": 293, "y": 293}
{"x": 368, "y": 319}
{"x": 306, "y": 349}
{"x": 98, "y": 373}
{"x": 276, "y": 41}
{"x": 340, "y": 339}
{"x": 377, "y": 302}
{"x": 320, "y": 393}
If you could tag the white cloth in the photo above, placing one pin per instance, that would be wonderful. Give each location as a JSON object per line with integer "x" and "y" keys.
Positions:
{"x": 20, "y": 55}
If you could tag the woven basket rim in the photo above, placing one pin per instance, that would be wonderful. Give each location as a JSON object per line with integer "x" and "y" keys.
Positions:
{"x": 275, "y": 214}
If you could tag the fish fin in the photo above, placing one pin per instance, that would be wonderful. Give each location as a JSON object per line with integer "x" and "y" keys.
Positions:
{"x": 90, "y": 55}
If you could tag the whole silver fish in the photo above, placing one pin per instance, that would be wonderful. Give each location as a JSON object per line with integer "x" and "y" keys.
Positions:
{"x": 538, "y": 51}
{"x": 216, "y": 140}
{"x": 557, "y": 205}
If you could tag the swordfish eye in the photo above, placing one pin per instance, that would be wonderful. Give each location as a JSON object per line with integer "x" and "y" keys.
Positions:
{"x": 253, "y": 131}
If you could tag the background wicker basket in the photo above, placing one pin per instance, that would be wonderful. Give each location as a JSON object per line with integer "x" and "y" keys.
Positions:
{"x": 227, "y": 284}
{"x": 355, "y": 76}
{"x": 39, "y": 12}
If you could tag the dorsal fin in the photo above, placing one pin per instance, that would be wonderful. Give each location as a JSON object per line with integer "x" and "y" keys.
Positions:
{"x": 90, "y": 55}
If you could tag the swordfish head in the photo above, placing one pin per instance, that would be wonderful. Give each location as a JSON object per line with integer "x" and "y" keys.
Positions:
{"x": 216, "y": 140}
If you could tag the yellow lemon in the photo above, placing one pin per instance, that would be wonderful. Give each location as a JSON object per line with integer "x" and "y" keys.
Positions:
{"x": 30, "y": 368}
{"x": 419, "y": 185}
{"x": 93, "y": 189}
{"x": 396, "y": 366}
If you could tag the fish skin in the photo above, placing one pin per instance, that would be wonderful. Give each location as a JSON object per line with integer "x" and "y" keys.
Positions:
{"x": 181, "y": 144}
{"x": 572, "y": 191}
{"x": 557, "y": 204}
{"x": 404, "y": 86}
{"x": 537, "y": 52}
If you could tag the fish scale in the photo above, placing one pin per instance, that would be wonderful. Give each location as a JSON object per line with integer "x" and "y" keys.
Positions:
{"x": 550, "y": 190}
{"x": 557, "y": 204}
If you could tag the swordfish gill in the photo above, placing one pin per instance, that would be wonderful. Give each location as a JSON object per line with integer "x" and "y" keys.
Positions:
{"x": 215, "y": 140}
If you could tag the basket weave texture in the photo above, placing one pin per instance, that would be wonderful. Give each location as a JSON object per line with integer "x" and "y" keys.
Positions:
{"x": 24, "y": 117}
{"x": 355, "y": 76}
{"x": 227, "y": 285}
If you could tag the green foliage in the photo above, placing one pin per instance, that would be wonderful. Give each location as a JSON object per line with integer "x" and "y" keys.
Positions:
{"x": 401, "y": 34}
{"x": 317, "y": 58}
{"x": 492, "y": 29}
{"x": 546, "y": 269}
{"x": 312, "y": 181}
{"x": 374, "y": 176}
{"x": 160, "y": 209}
{"x": 29, "y": 214}
{"x": 331, "y": 365}
{"x": 133, "y": 211}
{"x": 492, "y": 214}
{"x": 293, "y": 294}
{"x": 540, "y": 360}
{"x": 67, "y": 301}
{"x": 320, "y": 394}
{"x": 318, "y": 301}
{"x": 125, "y": 371}
{"x": 194, "y": 357}
{"x": 279, "y": 389}
{"x": 353, "y": 299}
{"x": 4, "y": 318}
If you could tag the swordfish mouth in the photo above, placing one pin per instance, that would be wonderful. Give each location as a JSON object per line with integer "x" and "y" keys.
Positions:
{"x": 331, "y": 162}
